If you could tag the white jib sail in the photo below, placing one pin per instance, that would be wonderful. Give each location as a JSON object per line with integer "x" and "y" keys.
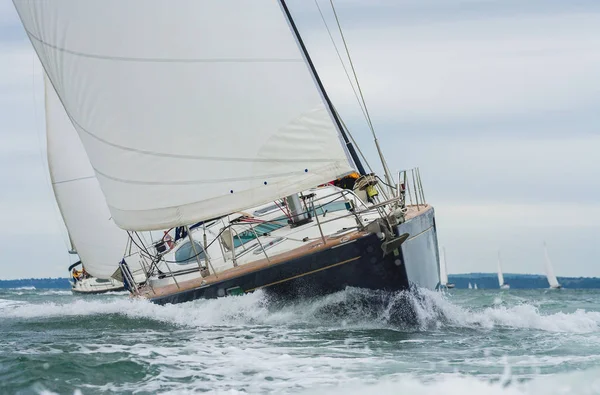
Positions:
{"x": 552, "y": 280}
{"x": 100, "y": 244}
{"x": 187, "y": 110}
{"x": 500, "y": 275}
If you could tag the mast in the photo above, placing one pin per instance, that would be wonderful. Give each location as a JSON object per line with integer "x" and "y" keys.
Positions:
{"x": 326, "y": 98}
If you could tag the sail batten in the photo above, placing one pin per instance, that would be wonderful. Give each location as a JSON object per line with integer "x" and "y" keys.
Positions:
{"x": 187, "y": 112}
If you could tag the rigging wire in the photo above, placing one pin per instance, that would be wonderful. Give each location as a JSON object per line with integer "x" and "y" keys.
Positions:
{"x": 337, "y": 51}
{"x": 360, "y": 92}
{"x": 362, "y": 98}
{"x": 354, "y": 141}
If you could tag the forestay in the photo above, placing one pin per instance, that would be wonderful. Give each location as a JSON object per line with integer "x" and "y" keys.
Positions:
{"x": 99, "y": 242}
{"x": 189, "y": 109}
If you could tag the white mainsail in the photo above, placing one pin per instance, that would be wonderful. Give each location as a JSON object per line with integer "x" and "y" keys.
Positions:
{"x": 99, "y": 242}
{"x": 552, "y": 280}
{"x": 500, "y": 275}
{"x": 187, "y": 111}
{"x": 444, "y": 269}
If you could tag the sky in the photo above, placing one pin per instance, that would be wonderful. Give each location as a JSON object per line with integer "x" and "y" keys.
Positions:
{"x": 495, "y": 100}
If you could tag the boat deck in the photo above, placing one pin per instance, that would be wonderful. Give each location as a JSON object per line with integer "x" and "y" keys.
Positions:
{"x": 310, "y": 247}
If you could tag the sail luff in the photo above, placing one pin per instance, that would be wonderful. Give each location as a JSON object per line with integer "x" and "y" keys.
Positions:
{"x": 182, "y": 125}
{"x": 552, "y": 280}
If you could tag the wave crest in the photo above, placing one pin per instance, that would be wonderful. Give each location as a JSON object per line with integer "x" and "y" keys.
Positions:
{"x": 417, "y": 310}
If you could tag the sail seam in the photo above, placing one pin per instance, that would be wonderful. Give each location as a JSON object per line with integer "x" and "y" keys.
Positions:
{"x": 73, "y": 179}
{"x": 207, "y": 181}
{"x": 199, "y": 157}
{"x": 165, "y": 60}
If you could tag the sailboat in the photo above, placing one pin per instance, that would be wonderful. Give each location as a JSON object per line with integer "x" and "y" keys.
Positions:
{"x": 219, "y": 129}
{"x": 470, "y": 286}
{"x": 552, "y": 280}
{"x": 94, "y": 238}
{"x": 501, "y": 282}
{"x": 475, "y": 286}
{"x": 444, "y": 272}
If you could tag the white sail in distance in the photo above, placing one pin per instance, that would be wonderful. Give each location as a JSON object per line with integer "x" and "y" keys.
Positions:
{"x": 187, "y": 112}
{"x": 552, "y": 280}
{"x": 444, "y": 269}
{"x": 500, "y": 275}
{"x": 100, "y": 244}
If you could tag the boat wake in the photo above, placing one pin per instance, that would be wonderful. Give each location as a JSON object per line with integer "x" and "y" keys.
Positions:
{"x": 353, "y": 308}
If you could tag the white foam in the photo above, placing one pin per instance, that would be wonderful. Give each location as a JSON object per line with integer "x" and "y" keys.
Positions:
{"x": 7, "y": 303}
{"x": 523, "y": 316}
{"x": 432, "y": 310}
{"x": 580, "y": 383}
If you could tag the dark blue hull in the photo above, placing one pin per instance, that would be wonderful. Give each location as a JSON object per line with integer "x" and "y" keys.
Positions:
{"x": 358, "y": 263}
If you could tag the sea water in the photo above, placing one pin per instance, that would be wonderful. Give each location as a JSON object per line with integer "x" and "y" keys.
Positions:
{"x": 352, "y": 342}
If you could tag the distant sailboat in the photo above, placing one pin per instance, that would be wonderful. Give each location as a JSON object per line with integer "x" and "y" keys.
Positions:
{"x": 501, "y": 282}
{"x": 475, "y": 286}
{"x": 470, "y": 286}
{"x": 552, "y": 280}
{"x": 444, "y": 272}
{"x": 98, "y": 242}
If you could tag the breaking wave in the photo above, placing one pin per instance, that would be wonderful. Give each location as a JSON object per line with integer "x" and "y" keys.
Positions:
{"x": 352, "y": 308}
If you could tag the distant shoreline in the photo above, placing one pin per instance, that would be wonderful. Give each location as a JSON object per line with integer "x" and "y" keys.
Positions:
{"x": 519, "y": 281}
{"x": 38, "y": 283}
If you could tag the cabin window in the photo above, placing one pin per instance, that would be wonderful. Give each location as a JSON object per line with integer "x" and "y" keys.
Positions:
{"x": 280, "y": 222}
{"x": 330, "y": 207}
{"x": 261, "y": 229}
{"x": 185, "y": 254}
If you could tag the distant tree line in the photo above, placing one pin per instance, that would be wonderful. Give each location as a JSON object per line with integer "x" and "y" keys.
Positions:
{"x": 38, "y": 283}
{"x": 483, "y": 281}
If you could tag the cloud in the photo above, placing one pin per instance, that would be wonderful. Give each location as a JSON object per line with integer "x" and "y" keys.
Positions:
{"x": 473, "y": 69}
{"x": 473, "y": 233}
